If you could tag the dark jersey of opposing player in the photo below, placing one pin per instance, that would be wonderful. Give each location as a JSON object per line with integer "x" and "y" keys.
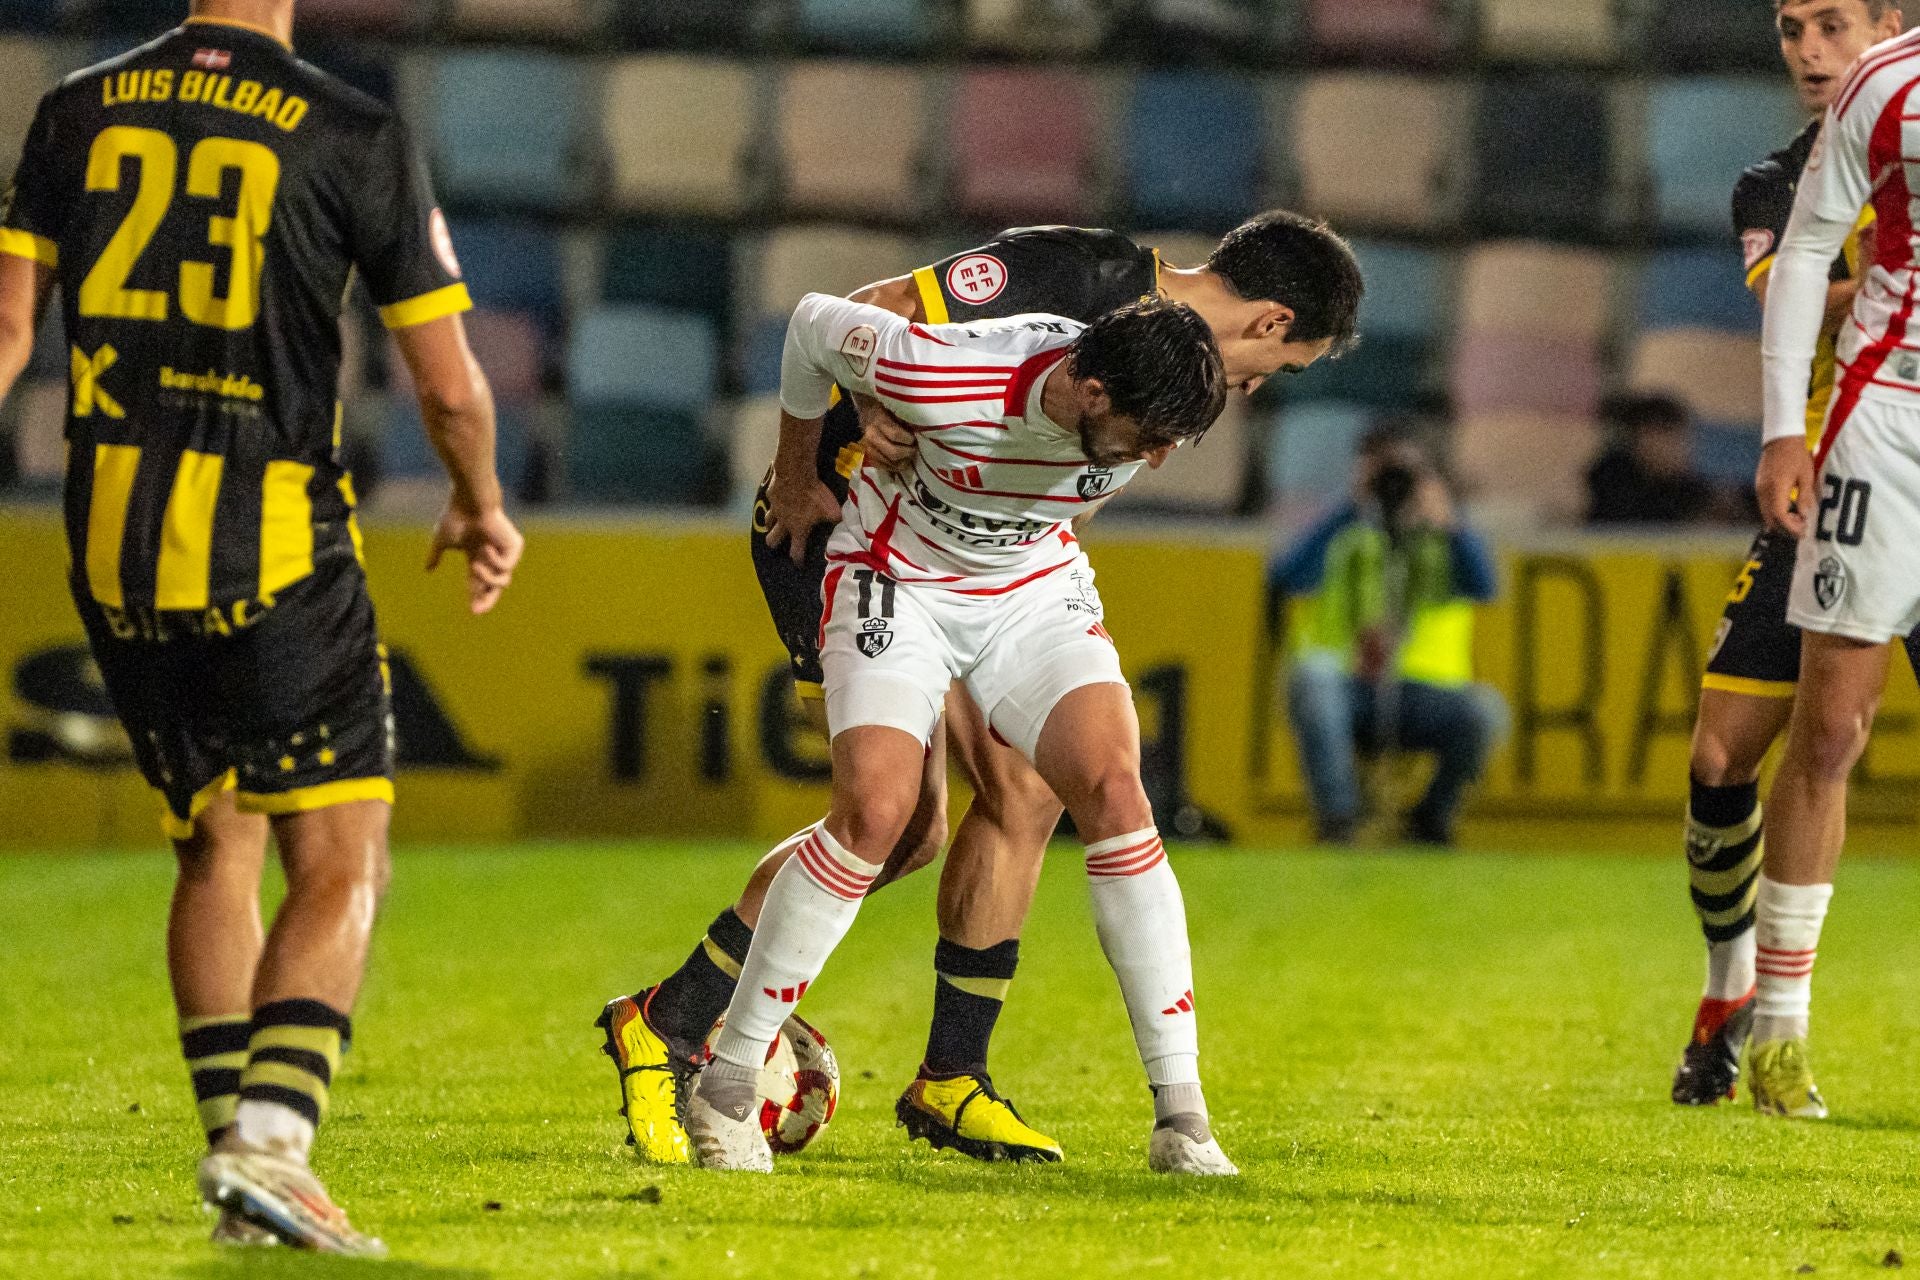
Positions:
{"x": 204, "y": 200}
{"x": 1078, "y": 272}
{"x": 1762, "y": 203}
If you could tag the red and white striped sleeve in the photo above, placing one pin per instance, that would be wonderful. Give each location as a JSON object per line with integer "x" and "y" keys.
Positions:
{"x": 833, "y": 341}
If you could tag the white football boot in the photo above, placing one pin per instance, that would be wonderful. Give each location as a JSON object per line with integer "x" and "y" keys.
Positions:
{"x": 722, "y": 1142}
{"x": 280, "y": 1195}
{"x": 1171, "y": 1150}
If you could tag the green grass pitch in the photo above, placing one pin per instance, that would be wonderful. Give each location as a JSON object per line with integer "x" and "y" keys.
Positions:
{"x": 1427, "y": 1067}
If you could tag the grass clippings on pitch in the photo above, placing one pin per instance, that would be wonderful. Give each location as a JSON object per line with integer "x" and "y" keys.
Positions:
{"x": 1427, "y": 1066}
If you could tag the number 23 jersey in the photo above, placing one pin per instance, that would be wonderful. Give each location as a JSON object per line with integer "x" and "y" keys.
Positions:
{"x": 204, "y": 201}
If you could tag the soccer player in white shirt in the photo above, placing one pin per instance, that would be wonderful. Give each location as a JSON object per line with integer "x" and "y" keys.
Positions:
{"x": 1854, "y": 505}
{"x": 965, "y": 567}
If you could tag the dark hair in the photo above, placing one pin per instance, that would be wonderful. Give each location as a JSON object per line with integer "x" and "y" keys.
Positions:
{"x": 1298, "y": 262}
{"x": 1631, "y": 411}
{"x": 1159, "y": 364}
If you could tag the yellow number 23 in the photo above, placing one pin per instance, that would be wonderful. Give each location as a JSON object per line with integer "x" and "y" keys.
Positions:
{"x": 105, "y": 293}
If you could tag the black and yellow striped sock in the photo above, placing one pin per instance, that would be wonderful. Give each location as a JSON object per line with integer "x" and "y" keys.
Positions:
{"x": 692, "y": 998}
{"x": 1725, "y": 845}
{"x": 292, "y": 1055}
{"x": 969, "y": 988}
{"x": 216, "y": 1051}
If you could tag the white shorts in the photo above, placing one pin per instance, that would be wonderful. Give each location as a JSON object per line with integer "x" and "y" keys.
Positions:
{"x": 1857, "y": 573}
{"x": 892, "y": 651}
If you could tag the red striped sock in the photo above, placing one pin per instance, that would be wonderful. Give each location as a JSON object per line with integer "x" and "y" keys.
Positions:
{"x": 1786, "y": 941}
{"x": 1142, "y": 923}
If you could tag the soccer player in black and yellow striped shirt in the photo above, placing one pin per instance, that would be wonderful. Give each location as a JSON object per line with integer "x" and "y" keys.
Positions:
{"x": 203, "y": 202}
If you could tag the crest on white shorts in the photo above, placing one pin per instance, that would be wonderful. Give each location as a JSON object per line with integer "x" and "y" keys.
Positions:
{"x": 874, "y": 643}
{"x": 857, "y": 347}
{"x": 1756, "y": 244}
{"x": 1829, "y": 582}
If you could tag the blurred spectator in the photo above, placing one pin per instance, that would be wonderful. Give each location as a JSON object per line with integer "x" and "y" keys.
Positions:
{"x": 1382, "y": 595}
{"x": 1645, "y": 475}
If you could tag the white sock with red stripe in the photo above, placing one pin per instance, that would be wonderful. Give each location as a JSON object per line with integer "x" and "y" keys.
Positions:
{"x": 1142, "y": 923}
{"x": 1786, "y": 937}
{"x": 810, "y": 906}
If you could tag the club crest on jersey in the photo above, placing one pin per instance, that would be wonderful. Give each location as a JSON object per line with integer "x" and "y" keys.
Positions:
{"x": 1908, "y": 367}
{"x": 857, "y": 347}
{"x": 977, "y": 279}
{"x": 875, "y": 637}
{"x": 1829, "y": 582}
{"x": 1095, "y": 482}
{"x": 1755, "y": 245}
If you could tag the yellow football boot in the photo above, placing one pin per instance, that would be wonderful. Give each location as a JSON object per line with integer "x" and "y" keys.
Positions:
{"x": 1782, "y": 1080}
{"x": 964, "y": 1113}
{"x": 652, "y": 1075}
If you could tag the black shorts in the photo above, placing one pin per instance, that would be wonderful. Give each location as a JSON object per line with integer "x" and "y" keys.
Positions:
{"x": 293, "y": 711}
{"x": 792, "y": 593}
{"x": 1756, "y": 650}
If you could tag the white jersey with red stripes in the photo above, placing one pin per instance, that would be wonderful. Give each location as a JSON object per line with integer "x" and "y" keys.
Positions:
{"x": 995, "y": 482}
{"x": 1868, "y": 152}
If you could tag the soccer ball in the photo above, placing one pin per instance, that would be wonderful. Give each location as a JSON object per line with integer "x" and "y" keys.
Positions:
{"x": 799, "y": 1086}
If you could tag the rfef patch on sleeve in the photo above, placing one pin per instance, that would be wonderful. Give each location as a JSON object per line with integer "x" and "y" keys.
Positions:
{"x": 858, "y": 346}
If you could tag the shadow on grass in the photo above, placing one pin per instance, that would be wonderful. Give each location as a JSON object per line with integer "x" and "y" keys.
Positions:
{"x": 271, "y": 1263}
{"x": 1871, "y": 1123}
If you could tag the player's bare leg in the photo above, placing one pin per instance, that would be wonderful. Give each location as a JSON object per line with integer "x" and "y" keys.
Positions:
{"x": 214, "y": 937}
{"x": 808, "y": 909}
{"x": 1725, "y": 842}
{"x": 986, "y": 888}
{"x": 655, "y": 1035}
{"x": 310, "y": 971}
{"x": 1089, "y": 753}
{"x": 1840, "y": 685}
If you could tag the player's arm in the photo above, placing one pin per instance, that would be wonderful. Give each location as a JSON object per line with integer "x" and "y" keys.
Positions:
{"x": 401, "y": 245}
{"x": 25, "y": 286}
{"x": 1840, "y": 296}
{"x": 457, "y": 406}
{"x": 1832, "y": 193}
{"x": 29, "y": 253}
{"x": 816, "y": 359}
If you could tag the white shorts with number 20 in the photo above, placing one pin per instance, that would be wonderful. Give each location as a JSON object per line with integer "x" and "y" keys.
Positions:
{"x": 892, "y": 650}
{"x": 1858, "y": 569}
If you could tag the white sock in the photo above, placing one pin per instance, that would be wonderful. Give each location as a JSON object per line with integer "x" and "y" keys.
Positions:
{"x": 1786, "y": 937}
{"x": 273, "y": 1127}
{"x": 1142, "y": 923}
{"x": 1730, "y": 971}
{"x": 810, "y": 906}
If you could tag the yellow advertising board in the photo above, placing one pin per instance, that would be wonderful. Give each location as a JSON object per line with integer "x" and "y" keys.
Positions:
{"x": 630, "y": 684}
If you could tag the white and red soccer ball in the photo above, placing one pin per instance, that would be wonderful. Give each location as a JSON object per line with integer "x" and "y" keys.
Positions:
{"x": 799, "y": 1086}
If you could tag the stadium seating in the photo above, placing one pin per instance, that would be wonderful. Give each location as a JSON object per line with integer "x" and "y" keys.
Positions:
{"x": 628, "y": 454}
{"x": 1193, "y": 148}
{"x": 1054, "y": 28}
{"x": 1497, "y": 373}
{"x": 643, "y": 356}
{"x": 1550, "y": 30}
{"x": 851, "y": 140}
{"x": 1398, "y": 318}
{"x": 795, "y": 261}
{"x": 1728, "y": 455}
{"x": 385, "y": 17}
{"x": 1697, "y": 288}
{"x": 864, "y": 26}
{"x": 1544, "y": 157}
{"x": 551, "y": 19}
{"x": 1708, "y": 35}
{"x": 25, "y": 71}
{"x": 1404, "y": 30}
{"x": 1527, "y": 467}
{"x": 680, "y": 134}
{"x": 1518, "y": 287}
{"x": 514, "y": 266}
{"x": 490, "y": 147}
{"x": 1208, "y": 478}
{"x": 1352, "y": 170}
{"x": 1715, "y": 372}
{"x": 685, "y": 266}
{"x": 30, "y": 15}
{"x": 1013, "y": 163}
{"x": 1701, "y": 133}
{"x": 719, "y": 25}
{"x": 1310, "y": 449}
{"x": 752, "y": 436}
